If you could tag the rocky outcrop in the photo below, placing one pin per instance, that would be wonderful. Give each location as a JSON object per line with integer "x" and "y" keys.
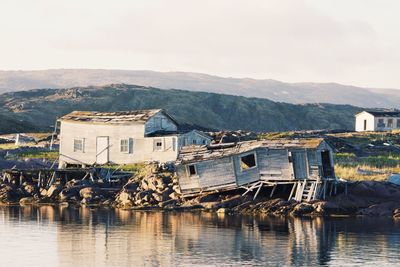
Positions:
{"x": 150, "y": 189}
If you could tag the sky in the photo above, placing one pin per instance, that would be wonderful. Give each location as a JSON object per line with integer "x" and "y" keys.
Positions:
{"x": 353, "y": 42}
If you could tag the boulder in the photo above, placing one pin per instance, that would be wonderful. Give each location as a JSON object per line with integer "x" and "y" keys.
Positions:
{"x": 382, "y": 209}
{"x": 27, "y": 201}
{"x": 302, "y": 209}
{"x": 89, "y": 192}
{"x": 53, "y": 190}
{"x": 326, "y": 208}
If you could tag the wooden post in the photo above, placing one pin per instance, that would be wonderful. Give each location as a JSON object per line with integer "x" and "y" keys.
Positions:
{"x": 273, "y": 191}
{"x": 292, "y": 191}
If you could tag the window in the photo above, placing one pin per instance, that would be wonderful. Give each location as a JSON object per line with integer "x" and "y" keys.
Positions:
{"x": 398, "y": 123}
{"x": 365, "y": 125}
{"x": 124, "y": 146}
{"x": 192, "y": 170}
{"x": 390, "y": 123}
{"x": 248, "y": 162}
{"x": 78, "y": 145}
{"x": 204, "y": 141}
{"x": 381, "y": 124}
{"x": 158, "y": 144}
{"x": 194, "y": 141}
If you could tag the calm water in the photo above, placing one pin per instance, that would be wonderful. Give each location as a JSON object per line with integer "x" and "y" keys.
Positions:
{"x": 59, "y": 236}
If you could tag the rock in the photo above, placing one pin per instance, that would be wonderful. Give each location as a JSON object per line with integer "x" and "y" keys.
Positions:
{"x": 144, "y": 185}
{"x": 177, "y": 189}
{"x": 326, "y": 208}
{"x": 208, "y": 198}
{"x": 169, "y": 204}
{"x": 30, "y": 189}
{"x": 158, "y": 197}
{"x": 131, "y": 186}
{"x": 89, "y": 192}
{"x": 174, "y": 195}
{"x": 222, "y": 210}
{"x": 302, "y": 209}
{"x": 27, "y": 200}
{"x": 53, "y": 190}
{"x": 70, "y": 192}
{"x": 382, "y": 209}
{"x": 231, "y": 202}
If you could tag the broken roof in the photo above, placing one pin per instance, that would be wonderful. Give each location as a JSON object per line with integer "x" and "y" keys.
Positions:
{"x": 119, "y": 117}
{"x": 202, "y": 153}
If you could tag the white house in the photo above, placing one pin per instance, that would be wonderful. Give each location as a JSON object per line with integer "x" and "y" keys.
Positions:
{"x": 88, "y": 138}
{"x": 377, "y": 120}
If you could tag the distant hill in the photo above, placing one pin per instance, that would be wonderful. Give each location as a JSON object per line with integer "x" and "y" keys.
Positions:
{"x": 37, "y": 110}
{"x": 297, "y": 93}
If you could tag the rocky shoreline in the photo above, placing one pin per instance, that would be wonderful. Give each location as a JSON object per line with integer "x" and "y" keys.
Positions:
{"x": 155, "y": 189}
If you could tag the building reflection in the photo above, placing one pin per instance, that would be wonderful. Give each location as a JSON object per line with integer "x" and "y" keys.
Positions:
{"x": 122, "y": 238}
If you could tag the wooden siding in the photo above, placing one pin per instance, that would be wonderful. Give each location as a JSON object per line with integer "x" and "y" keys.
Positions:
{"x": 141, "y": 150}
{"x": 274, "y": 164}
{"x": 210, "y": 174}
{"x": 300, "y": 166}
{"x": 193, "y": 138}
{"x": 160, "y": 122}
{"x": 216, "y": 172}
{"x": 187, "y": 183}
{"x": 313, "y": 165}
{"x": 246, "y": 176}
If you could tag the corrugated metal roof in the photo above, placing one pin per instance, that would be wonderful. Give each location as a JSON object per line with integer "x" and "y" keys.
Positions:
{"x": 119, "y": 117}
{"x": 202, "y": 153}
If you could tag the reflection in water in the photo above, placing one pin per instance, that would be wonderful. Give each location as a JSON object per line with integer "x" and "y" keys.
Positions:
{"x": 66, "y": 236}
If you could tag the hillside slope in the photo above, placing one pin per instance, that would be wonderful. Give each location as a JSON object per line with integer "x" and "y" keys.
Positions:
{"x": 271, "y": 89}
{"x": 37, "y": 110}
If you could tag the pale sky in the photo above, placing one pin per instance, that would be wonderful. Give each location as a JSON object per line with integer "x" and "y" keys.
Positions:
{"x": 346, "y": 41}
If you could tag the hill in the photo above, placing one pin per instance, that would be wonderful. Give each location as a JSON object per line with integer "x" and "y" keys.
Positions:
{"x": 296, "y": 93}
{"x": 37, "y": 110}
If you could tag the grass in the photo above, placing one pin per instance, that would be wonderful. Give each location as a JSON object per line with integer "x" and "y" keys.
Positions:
{"x": 350, "y": 167}
{"x": 134, "y": 167}
{"x": 49, "y": 155}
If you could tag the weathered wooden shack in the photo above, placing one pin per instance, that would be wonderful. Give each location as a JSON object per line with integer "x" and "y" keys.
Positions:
{"x": 302, "y": 162}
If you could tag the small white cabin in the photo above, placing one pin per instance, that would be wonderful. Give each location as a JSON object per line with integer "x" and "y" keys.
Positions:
{"x": 377, "y": 121}
{"x": 88, "y": 138}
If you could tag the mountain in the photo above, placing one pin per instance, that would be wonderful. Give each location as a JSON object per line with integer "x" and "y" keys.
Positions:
{"x": 37, "y": 110}
{"x": 296, "y": 93}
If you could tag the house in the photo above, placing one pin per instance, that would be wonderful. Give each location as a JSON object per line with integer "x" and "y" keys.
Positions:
{"x": 272, "y": 162}
{"x": 377, "y": 120}
{"x": 88, "y": 138}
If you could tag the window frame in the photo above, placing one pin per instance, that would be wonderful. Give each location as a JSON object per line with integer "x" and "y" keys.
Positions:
{"x": 250, "y": 168}
{"x": 189, "y": 172}
{"x": 156, "y": 147}
{"x": 82, "y": 145}
{"x": 128, "y": 143}
{"x": 390, "y": 123}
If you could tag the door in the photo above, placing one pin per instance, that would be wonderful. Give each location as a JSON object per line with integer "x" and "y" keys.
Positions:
{"x": 327, "y": 170}
{"x": 102, "y": 149}
{"x": 299, "y": 159}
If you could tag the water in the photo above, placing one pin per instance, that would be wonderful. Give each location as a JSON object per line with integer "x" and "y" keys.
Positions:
{"x": 60, "y": 236}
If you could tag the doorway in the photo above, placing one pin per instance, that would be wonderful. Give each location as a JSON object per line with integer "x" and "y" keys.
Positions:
{"x": 327, "y": 169}
{"x": 102, "y": 149}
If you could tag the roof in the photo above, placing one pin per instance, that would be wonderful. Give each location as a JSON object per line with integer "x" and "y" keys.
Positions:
{"x": 119, "y": 117}
{"x": 191, "y": 154}
{"x": 382, "y": 113}
{"x": 203, "y": 134}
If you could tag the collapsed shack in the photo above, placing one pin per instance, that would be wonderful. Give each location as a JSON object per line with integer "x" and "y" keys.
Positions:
{"x": 305, "y": 164}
